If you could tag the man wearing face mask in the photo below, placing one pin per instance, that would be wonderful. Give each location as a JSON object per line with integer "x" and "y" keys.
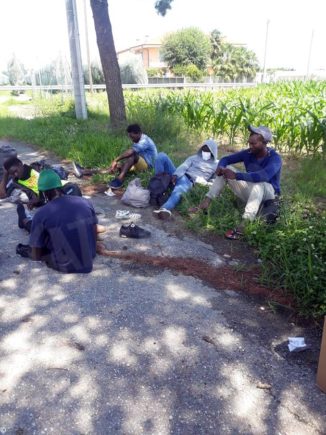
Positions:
{"x": 198, "y": 168}
{"x": 259, "y": 183}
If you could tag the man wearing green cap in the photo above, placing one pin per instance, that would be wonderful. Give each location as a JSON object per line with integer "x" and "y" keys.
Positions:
{"x": 63, "y": 231}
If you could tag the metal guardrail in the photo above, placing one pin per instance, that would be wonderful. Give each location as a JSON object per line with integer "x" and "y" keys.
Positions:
{"x": 131, "y": 86}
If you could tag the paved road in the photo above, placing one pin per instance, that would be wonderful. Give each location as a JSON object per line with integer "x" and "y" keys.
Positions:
{"x": 133, "y": 349}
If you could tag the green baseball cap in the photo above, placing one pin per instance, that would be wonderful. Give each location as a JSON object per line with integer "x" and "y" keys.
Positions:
{"x": 48, "y": 180}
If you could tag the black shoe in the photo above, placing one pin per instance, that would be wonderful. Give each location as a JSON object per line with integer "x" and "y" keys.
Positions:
{"x": 133, "y": 231}
{"x": 24, "y": 250}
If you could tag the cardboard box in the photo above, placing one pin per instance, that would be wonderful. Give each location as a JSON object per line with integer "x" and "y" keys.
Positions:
{"x": 321, "y": 373}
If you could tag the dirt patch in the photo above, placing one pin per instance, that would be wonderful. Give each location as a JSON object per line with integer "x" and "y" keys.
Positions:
{"x": 224, "y": 277}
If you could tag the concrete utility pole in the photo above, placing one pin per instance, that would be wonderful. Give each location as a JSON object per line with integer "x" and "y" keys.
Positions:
{"x": 265, "y": 52}
{"x": 309, "y": 55}
{"x": 76, "y": 63}
{"x": 88, "y": 51}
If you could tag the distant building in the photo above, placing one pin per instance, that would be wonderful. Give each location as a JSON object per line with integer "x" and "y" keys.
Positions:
{"x": 149, "y": 51}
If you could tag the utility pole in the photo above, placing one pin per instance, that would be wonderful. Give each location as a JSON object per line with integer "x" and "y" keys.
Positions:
{"x": 265, "y": 52}
{"x": 87, "y": 51}
{"x": 309, "y": 55}
{"x": 76, "y": 63}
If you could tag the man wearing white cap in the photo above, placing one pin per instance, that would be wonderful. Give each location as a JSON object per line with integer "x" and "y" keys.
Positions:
{"x": 260, "y": 182}
{"x": 198, "y": 168}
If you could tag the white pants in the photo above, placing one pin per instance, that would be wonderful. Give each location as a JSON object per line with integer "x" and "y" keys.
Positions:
{"x": 252, "y": 194}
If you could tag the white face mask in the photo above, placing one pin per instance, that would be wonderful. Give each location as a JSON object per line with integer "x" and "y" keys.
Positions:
{"x": 206, "y": 155}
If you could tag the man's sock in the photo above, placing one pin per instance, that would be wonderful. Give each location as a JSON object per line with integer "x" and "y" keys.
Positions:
{"x": 22, "y": 217}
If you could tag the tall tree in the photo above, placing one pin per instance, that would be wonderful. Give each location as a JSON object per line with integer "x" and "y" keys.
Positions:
{"x": 185, "y": 47}
{"x": 109, "y": 62}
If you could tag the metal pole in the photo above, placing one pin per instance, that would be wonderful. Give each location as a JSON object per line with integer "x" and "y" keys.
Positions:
{"x": 88, "y": 51}
{"x": 76, "y": 63}
{"x": 309, "y": 55}
{"x": 265, "y": 52}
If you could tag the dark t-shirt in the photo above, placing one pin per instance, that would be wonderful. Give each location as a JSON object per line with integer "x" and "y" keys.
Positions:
{"x": 64, "y": 227}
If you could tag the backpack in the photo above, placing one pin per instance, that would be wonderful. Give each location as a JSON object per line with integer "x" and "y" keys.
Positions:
{"x": 159, "y": 186}
{"x": 270, "y": 210}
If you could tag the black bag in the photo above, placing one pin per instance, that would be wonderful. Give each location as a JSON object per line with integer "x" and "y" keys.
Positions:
{"x": 159, "y": 186}
{"x": 270, "y": 210}
{"x": 71, "y": 189}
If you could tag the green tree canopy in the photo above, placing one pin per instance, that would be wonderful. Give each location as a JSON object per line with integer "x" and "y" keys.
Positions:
{"x": 232, "y": 62}
{"x": 162, "y": 6}
{"x": 185, "y": 47}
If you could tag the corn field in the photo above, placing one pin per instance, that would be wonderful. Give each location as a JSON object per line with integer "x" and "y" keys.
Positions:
{"x": 294, "y": 111}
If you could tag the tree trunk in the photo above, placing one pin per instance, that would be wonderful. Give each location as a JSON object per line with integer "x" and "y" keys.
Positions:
{"x": 109, "y": 62}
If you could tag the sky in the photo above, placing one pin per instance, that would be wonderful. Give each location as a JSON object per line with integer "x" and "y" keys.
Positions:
{"x": 36, "y": 30}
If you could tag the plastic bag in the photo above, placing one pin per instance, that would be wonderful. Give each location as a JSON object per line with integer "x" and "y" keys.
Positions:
{"x": 136, "y": 195}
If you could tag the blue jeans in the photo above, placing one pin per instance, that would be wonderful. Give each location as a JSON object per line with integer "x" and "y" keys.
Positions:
{"x": 164, "y": 164}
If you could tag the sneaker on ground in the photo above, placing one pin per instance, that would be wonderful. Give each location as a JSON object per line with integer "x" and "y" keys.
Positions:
{"x": 109, "y": 192}
{"x": 125, "y": 214}
{"x": 77, "y": 169}
{"x": 24, "y": 250}
{"x": 133, "y": 231}
{"x": 116, "y": 184}
{"x": 162, "y": 213}
{"x": 122, "y": 214}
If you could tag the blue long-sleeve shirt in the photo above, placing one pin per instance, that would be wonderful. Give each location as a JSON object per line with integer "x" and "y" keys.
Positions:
{"x": 266, "y": 169}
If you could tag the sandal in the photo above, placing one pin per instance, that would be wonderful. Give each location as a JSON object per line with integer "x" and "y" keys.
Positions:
{"x": 234, "y": 234}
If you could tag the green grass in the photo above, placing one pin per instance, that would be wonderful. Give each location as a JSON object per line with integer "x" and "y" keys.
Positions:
{"x": 293, "y": 250}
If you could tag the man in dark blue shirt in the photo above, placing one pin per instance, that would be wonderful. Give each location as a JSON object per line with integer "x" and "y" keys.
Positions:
{"x": 63, "y": 232}
{"x": 260, "y": 182}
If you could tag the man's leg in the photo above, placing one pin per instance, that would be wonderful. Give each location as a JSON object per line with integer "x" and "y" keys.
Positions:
{"x": 214, "y": 191}
{"x": 260, "y": 192}
{"x": 126, "y": 165}
{"x": 181, "y": 187}
{"x": 24, "y": 220}
{"x": 163, "y": 164}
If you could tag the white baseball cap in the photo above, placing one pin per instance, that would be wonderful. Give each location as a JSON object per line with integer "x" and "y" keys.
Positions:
{"x": 263, "y": 131}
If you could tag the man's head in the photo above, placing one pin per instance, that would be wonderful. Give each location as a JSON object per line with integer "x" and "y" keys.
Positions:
{"x": 259, "y": 138}
{"x": 14, "y": 167}
{"x": 49, "y": 183}
{"x": 134, "y": 132}
{"x": 209, "y": 149}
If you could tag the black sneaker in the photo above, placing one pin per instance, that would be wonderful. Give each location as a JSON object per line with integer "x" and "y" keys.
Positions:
{"x": 24, "y": 250}
{"x": 132, "y": 231}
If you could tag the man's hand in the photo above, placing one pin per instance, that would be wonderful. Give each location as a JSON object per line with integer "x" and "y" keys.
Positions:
{"x": 229, "y": 174}
{"x": 113, "y": 167}
{"x": 219, "y": 171}
{"x": 174, "y": 179}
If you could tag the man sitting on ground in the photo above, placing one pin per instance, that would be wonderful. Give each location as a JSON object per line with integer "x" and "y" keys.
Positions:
{"x": 260, "y": 182}
{"x": 198, "y": 168}
{"x": 140, "y": 157}
{"x": 25, "y": 177}
{"x": 63, "y": 232}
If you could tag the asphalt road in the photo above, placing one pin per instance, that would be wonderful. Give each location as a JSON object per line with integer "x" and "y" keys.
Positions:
{"x": 132, "y": 349}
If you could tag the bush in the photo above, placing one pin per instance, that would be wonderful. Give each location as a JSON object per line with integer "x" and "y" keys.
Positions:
{"x": 294, "y": 254}
{"x": 190, "y": 71}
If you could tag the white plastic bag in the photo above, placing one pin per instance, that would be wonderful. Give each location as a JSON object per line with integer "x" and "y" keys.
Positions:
{"x": 136, "y": 195}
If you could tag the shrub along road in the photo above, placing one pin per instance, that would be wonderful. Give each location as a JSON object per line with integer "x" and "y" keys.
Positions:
{"x": 139, "y": 348}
